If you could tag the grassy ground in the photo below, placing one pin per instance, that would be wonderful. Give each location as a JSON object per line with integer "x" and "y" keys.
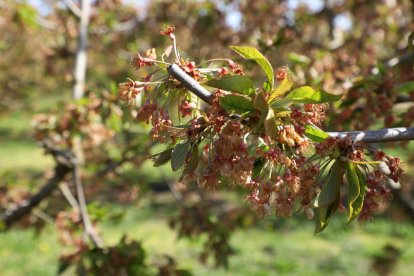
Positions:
{"x": 273, "y": 247}
{"x": 285, "y": 247}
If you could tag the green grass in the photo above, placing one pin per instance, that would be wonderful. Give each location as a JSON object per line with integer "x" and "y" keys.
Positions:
{"x": 19, "y": 151}
{"x": 274, "y": 247}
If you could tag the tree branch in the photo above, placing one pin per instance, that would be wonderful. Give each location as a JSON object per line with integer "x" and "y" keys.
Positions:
{"x": 368, "y": 136}
{"x": 190, "y": 83}
{"x": 378, "y": 136}
{"x": 81, "y": 53}
{"x": 89, "y": 229}
{"x": 73, "y": 8}
{"x": 12, "y": 215}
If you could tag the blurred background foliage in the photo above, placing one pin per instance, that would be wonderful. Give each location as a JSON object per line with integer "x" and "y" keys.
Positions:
{"x": 362, "y": 49}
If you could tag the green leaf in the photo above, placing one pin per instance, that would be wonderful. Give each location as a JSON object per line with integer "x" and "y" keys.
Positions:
{"x": 258, "y": 167}
{"x": 261, "y": 104}
{"x": 253, "y": 54}
{"x": 28, "y": 15}
{"x": 324, "y": 214}
{"x": 236, "y": 83}
{"x": 281, "y": 90}
{"x": 271, "y": 126}
{"x": 236, "y": 103}
{"x": 308, "y": 95}
{"x": 280, "y": 104}
{"x": 299, "y": 59}
{"x": 179, "y": 155}
{"x": 330, "y": 190}
{"x": 359, "y": 201}
{"x": 329, "y": 198}
{"x": 193, "y": 162}
{"x": 315, "y": 134}
{"x": 406, "y": 87}
{"x": 353, "y": 189}
{"x": 114, "y": 121}
{"x": 162, "y": 157}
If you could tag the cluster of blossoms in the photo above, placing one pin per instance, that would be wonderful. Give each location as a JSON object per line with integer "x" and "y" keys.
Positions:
{"x": 76, "y": 119}
{"x": 257, "y": 140}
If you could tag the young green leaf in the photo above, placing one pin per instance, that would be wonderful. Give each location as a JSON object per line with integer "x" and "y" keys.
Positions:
{"x": 179, "y": 155}
{"x": 315, "y": 134}
{"x": 281, "y": 90}
{"x": 162, "y": 157}
{"x": 308, "y": 95}
{"x": 261, "y": 104}
{"x": 406, "y": 87}
{"x": 258, "y": 167}
{"x": 271, "y": 126}
{"x": 330, "y": 190}
{"x": 329, "y": 198}
{"x": 359, "y": 201}
{"x": 324, "y": 214}
{"x": 253, "y": 54}
{"x": 299, "y": 59}
{"x": 353, "y": 188}
{"x": 192, "y": 162}
{"x": 236, "y": 83}
{"x": 236, "y": 103}
{"x": 280, "y": 104}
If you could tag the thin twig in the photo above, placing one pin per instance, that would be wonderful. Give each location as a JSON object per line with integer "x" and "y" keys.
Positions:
{"x": 73, "y": 7}
{"x": 42, "y": 215}
{"x": 64, "y": 188}
{"x": 89, "y": 229}
{"x": 368, "y": 136}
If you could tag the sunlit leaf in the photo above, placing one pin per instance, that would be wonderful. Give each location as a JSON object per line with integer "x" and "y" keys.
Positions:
{"x": 236, "y": 83}
{"x": 299, "y": 59}
{"x": 236, "y": 103}
{"x": 271, "y": 126}
{"x": 308, "y": 95}
{"x": 280, "y": 103}
{"x": 261, "y": 104}
{"x": 28, "y": 15}
{"x": 359, "y": 202}
{"x": 315, "y": 134}
{"x": 281, "y": 90}
{"x": 353, "y": 189}
{"x": 253, "y": 54}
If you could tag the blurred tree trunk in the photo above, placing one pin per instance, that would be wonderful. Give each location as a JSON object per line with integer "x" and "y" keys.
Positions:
{"x": 81, "y": 53}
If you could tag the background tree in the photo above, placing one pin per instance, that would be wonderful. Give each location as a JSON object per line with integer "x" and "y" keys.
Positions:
{"x": 362, "y": 49}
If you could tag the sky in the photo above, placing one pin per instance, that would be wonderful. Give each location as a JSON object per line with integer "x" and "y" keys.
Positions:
{"x": 234, "y": 17}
